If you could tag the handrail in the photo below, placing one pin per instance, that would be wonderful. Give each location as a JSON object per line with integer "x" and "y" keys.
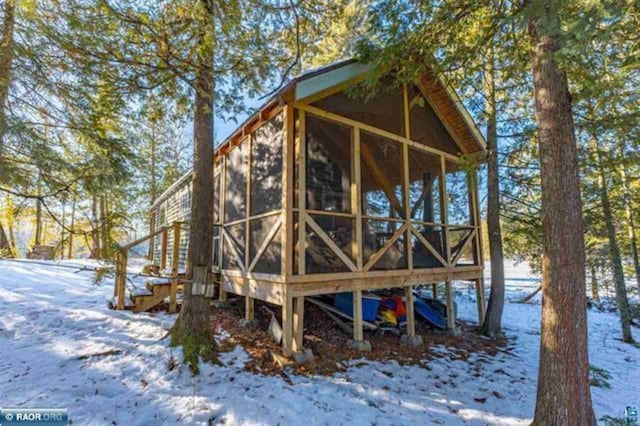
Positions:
{"x": 122, "y": 260}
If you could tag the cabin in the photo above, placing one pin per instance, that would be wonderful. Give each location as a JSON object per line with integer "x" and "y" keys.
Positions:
{"x": 324, "y": 191}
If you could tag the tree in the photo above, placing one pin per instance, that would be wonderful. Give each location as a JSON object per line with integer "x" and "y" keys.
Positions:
{"x": 563, "y": 395}
{"x": 6, "y": 59}
{"x": 192, "y": 329}
{"x": 614, "y": 250}
{"x": 493, "y": 319}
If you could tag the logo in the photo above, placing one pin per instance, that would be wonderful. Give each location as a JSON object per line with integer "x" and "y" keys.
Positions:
{"x": 33, "y": 416}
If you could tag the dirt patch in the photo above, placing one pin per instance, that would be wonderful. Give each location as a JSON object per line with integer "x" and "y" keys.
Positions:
{"x": 328, "y": 342}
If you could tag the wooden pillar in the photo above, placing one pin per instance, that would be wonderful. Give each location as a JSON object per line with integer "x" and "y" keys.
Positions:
{"x": 434, "y": 291}
{"x": 122, "y": 279}
{"x": 249, "y": 312}
{"x": 287, "y": 327}
{"x": 358, "y": 343}
{"x": 358, "y": 333}
{"x": 451, "y": 320}
{"x": 411, "y": 338}
{"x": 302, "y": 199}
{"x": 163, "y": 249}
{"x": 286, "y": 233}
{"x": 408, "y": 301}
{"x": 298, "y": 324}
{"x": 480, "y": 299}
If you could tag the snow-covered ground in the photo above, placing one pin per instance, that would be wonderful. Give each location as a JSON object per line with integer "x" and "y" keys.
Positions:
{"x": 52, "y": 316}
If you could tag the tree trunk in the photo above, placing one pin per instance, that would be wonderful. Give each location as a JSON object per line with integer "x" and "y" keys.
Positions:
{"x": 614, "y": 251}
{"x": 5, "y": 247}
{"x": 631, "y": 226}
{"x": 192, "y": 329}
{"x": 595, "y": 295}
{"x": 563, "y": 394}
{"x": 64, "y": 205}
{"x": 492, "y": 325}
{"x": 6, "y": 58}
{"x": 71, "y": 227}
{"x": 95, "y": 233}
{"x": 153, "y": 190}
{"x": 38, "y": 239}
{"x": 104, "y": 238}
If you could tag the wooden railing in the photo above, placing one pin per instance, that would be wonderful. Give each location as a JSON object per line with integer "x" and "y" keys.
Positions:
{"x": 122, "y": 257}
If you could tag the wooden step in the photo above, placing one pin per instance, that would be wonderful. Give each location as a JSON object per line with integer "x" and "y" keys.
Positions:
{"x": 150, "y": 283}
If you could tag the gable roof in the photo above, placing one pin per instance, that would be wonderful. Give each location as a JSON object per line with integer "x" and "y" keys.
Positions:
{"x": 441, "y": 96}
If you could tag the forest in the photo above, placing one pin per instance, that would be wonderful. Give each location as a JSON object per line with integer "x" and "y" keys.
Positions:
{"x": 105, "y": 104}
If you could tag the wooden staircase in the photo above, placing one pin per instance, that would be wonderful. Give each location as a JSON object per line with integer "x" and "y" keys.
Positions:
{"x": 156, "y": 289}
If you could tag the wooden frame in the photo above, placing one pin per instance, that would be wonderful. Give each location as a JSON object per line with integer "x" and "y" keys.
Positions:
{"x": 293, "y": 283}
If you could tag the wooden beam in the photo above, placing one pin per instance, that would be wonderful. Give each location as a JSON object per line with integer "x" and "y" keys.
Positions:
{"x": 247, "y": 239}
{"x": 451, "y": 320}
{"x": 444, "y": 207}
{"x": 233, "y": 248}
{"x": 263, "y": 247}
{"x": 288, "y": 151}
{"x": 249, "y": 312}
{"x": 411, "y": 321}
{"x": 175, "y": 250}
{"x": 222, "y": 295}
{"x": 302, "y": 198}
{"x": 287, "y": 326}
{"x": 329, "y": 242}
{"x": 377, "y": 255}
{"x": 356, "y": 200}
{"x": 298, "y": 324}
{"x": 473, "y": 189}
{"x": 407, "y": 206}
{"x": 429, "y": 247}
{"x": 405, "y": 107}
{"x": 122, "y": 284}
{"x": 480, "y": 299}
{"x": 163, "y": 249}
{"x": 466, "y": 241}
{"x": 358, "y": 332}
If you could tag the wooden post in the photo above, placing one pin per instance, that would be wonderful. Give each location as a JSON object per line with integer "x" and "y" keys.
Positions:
{"x": 175, "y": 251}
{"x": 247, "y": 246}
{"x": 249, "y": 309}
{"x": 287, "y": 326}
{"x": 358, "y": 343}
{"x": 411, "y": 338}
{"x": 451, "y": 320}
{"x": 286, "y": 233}
{"x": 444, "y": 208}
{"x": 480, "y": 299}
{"x": 222, "y": 296}
{"x": 163, "y": 249}
{"x": 175, "y": 263}
{"x": 356, "y": 200}
{"x": 302, "y": 199}
{"x": 408, "y": 301}
{"x": 298, "y": 324}
{"x": 122, "y": 279}
{"x": 358, "y": 333}
{"x": 434, "y": 291}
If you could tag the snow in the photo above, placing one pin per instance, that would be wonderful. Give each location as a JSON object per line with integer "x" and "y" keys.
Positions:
{"x": 53, "y": 317}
